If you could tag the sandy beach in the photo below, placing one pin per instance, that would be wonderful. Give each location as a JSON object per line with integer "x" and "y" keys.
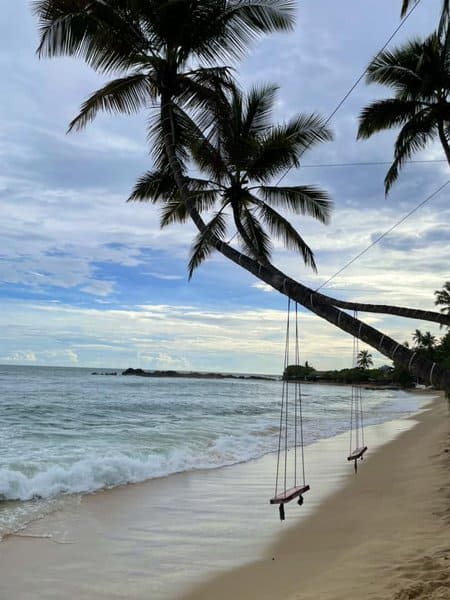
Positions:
{"x": 382, "y": 534}
{"x": 385, "y": 535}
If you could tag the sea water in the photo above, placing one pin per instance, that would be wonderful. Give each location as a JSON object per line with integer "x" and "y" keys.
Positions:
{"x": 66, "y": 431}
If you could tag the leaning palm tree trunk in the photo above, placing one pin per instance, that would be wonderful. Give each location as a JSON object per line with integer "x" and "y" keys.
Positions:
{"x": 319, "y": 304}
{"x": 386, "y": 309}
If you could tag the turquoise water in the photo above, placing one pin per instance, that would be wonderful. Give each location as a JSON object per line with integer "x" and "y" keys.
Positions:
{"x": 66, "y": 431}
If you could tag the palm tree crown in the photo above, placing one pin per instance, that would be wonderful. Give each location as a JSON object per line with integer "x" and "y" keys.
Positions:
{"x": 364, "y": 359}
{"x": 424, "y": 341}
{"x": 419, "y": 75}
{"x": 241, "y": 154}
{"x": 160, "y": 48}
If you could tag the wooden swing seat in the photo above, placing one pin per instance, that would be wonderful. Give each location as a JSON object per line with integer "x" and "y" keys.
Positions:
{"x": 358, "y": 453}
{"x": 289, "y": 495}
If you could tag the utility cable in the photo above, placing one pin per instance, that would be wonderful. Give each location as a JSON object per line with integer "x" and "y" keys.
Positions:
{"x": 380, "y": 237}
{"x": 371, "y": 163}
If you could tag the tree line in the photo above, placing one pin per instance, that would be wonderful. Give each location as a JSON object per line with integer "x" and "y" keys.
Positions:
{"x": 423, "y": 343}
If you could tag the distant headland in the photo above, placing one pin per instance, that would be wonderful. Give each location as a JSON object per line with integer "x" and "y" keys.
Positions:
{"x": 185, "y": 374}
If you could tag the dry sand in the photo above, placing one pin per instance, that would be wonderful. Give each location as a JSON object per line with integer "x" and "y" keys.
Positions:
{"x": 384, "y": 536}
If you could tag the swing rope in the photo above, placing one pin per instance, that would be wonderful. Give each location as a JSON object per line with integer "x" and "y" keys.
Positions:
{"x": 283, "y": 394}
{"x": 356, "y": 412}
{"x": 283, "y": 436}
{"x": 299, "y": 417}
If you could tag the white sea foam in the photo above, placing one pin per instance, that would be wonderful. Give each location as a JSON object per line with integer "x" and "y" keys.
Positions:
{"x": 88, "y": 475}
{"x": 101, "y": 472}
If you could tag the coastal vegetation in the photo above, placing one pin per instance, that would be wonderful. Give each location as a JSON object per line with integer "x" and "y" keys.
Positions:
{"x": 384, "y": 376}
{"x": 173, "y": 59}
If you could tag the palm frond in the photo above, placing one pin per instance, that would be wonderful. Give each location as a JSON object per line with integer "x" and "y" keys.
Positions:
{"x": 98, "y": 32}
{"x": 202, "y": 246}
{"x": 397, "y": 68}
{"x": 173, "y": 211}
{"x": 281, "y": 228}
{"x": 200, "y": 92}
{"x": 125, "y": 95}
{"x": 160, "y": 187}
{"x": 308, "y": 130}
{"x": 406, "y": 5}
{"x": 154, "y": 186}
{"x": 256, "y": 241}
{"x": 175, "y": 129}
{"x": 385, "y": 114}
{"x": 443, "y": 298}
{"x": 281, "y": 147}
{"x": 413, "y": 136}
{"x": 391, "y": 176}
{"x": 301, "y": 199}
{"x": 444, "y": 22}
{"x": 208, "y": 157}
{"x": 240, "y": 22}
{"x": 258, "y": 109}
{"x": 413, "y": 70}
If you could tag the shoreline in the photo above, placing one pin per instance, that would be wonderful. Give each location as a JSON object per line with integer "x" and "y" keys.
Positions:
{"x": 383, "y": 536}
{"x": 161, "y": 538}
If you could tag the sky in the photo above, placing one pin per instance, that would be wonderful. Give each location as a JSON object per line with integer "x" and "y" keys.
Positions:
{"x": 87, "y": 279}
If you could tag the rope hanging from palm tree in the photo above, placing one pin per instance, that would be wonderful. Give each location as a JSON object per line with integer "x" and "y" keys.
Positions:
{"x": 357, "y": 445}
{"x": 290, "y": 476}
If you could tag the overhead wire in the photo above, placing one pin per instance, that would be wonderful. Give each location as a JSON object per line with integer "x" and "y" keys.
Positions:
{"x": 380, "y": 237}
{"x": 371, "y": 163}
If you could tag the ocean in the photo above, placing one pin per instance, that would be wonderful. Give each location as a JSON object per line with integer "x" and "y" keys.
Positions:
{"x": 66, "y": 432}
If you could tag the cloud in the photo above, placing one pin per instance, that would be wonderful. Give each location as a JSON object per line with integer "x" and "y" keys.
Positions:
{"x": 45, "y": 357}
{"x": 162, "y": 360}
{"x": 264, "y": 287}
{"x": 99, "y": 288}
{"x": 20, "y": 356}
{"x": 165, "y": 276}
{"x": 174, "y": 337}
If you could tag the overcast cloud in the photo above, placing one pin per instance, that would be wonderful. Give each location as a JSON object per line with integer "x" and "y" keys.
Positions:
{"x": 90, "y": 280}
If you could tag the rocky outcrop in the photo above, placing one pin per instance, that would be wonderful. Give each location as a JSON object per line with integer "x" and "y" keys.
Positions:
{"x": 191, "y": 374}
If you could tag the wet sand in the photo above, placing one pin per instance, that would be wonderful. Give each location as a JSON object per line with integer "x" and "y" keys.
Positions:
{"x": 213, "y": 534}
{"x": 385, "y": 535}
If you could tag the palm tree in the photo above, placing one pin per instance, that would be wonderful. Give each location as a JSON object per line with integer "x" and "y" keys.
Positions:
{"x": 417, "y": 338}
{"x": 163, "y": 52}
{"x": 158, "y": 48}
{"x": 419, "y": 75}
{"x": 241, "y": 156}
{"x": 424, "y": 341}
{"x": 443, "y": 298}
{"x": 364, "y": 360}
{"x": 428, "y": 341}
